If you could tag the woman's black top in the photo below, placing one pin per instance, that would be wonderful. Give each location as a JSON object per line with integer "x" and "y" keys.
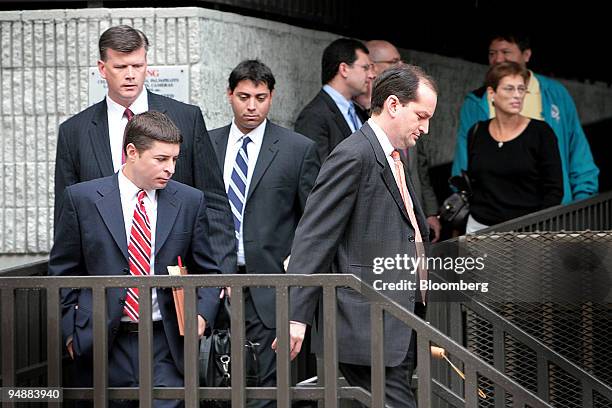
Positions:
{"x": 522, "y": 176}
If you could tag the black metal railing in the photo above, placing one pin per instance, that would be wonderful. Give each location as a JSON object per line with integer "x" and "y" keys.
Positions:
{"x": 328, "y": 392}
{"x": 547, "y": 363}
{"x": 520, "y": 257}
{"x": 530, "y": 271}
{"x": 594, "y": 214}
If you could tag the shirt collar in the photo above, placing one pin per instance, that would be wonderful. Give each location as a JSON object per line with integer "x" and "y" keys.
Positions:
{"x": 533, "y": 87}
{"x": 382, "y": 137}
{"x": 128, "y": 189}
{"x": 256, "y": 134}
{"x": 140, "y": 105}
{"x": 342, "y": 103}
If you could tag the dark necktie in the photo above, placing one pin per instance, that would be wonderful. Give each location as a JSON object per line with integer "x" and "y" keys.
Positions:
{"x": 236, "y": 193}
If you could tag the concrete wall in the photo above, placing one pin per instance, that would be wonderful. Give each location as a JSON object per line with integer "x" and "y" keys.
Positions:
{"x": 45, "y": 56}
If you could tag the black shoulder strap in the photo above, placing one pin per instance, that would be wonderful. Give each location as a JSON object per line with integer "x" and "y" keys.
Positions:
{"x": 472, "y": 133}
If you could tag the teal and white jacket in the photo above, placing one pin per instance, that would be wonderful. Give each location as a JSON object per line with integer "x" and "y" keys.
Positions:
{"x": 579, "y": 170}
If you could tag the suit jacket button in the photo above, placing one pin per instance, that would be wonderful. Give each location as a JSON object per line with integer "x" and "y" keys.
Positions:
{"x": 115, "y": 330}
{"x": 122, "y": 301}
{"x": 411, "y": 239}
{"x": 125, "y": 270}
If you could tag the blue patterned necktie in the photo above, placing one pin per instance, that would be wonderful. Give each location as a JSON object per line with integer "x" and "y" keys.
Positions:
{"x": 237, "y": 185}
{"x": 353, "y": 116}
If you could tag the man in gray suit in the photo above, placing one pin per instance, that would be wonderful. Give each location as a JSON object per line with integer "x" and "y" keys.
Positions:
{"x": 361, "y": 208}
{"x": 90, "y": 144}
{"x": 268, "y": 172}
{"x": 385, "y": 55}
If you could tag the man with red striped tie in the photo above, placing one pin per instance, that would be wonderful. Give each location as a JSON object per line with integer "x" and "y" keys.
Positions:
{"x": 136, "y": 222}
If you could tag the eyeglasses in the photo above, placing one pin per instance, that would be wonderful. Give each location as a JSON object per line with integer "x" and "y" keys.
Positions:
{"x": 366, "y": 67}
{"x": 393, "y": 61}
{"x": 511, "y": 90}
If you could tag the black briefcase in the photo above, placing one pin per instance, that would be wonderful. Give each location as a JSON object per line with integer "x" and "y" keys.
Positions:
{"x": 215, "y": 359}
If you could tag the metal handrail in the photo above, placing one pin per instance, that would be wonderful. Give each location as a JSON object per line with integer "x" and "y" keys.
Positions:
{"x": 594, "y": 212}
{"x": 545, "y": 354}
{"x": 329, "y": 392}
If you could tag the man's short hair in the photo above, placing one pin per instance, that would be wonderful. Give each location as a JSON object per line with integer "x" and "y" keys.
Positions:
{"x": 504, "y": 69}
{"x": 122, "y": 38}
{"x": 339, "y": 51}
{"x": 402, "y": 81}
{"x": 520, "y": 39}
{"x": 253, "y": 70}
{"x": 145, "y": 128}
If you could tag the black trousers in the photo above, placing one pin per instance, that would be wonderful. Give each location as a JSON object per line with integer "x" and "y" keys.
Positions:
{"x": 398, "y": 393}
{"x": 257, "y": 332}
{"x": 123, "y": 369}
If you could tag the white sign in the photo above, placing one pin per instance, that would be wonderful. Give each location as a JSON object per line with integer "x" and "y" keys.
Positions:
{"x": 171, "y": 81}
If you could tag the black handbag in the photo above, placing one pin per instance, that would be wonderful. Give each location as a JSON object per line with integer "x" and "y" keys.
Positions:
{"x": 215, "y": 358}
{"x": 456, "y": 208}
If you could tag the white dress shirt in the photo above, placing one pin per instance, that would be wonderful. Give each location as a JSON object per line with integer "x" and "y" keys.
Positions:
{"x": 129, "y": 194}
{"x": 117, "y": 123}
{"x": 234, "y": 142}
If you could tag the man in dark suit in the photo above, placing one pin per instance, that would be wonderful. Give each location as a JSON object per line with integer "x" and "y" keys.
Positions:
{"x": 136, "y": 222}
{"x": 362, "y": 209}
{"x": 90, "y": 143}
{"x": 331, "y": 117}
{"x": 269, "y": 172}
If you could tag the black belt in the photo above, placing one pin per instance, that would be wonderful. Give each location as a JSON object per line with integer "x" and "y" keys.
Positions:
{"x": 132, "y": 327}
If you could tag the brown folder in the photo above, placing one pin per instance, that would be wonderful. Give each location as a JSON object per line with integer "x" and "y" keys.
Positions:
{"x": 179, "y": 297}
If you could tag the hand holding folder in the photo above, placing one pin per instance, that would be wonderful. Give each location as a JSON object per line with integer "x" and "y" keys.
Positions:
{"x": 179, "y": 295}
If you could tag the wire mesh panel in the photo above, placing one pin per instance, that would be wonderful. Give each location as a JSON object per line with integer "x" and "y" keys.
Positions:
{"x": 555, "y": 287}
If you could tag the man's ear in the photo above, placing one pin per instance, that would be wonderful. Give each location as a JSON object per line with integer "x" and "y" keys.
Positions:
{"x": 131, "y": 151}
{"x": 343, "y": 69}
{"x": 527, "y": 55}
{"x": 391, "y": 104}
{"x": 102, "y": 68}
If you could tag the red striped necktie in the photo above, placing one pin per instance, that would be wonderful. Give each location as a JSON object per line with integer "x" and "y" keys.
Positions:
{"x": 139, "y": 253}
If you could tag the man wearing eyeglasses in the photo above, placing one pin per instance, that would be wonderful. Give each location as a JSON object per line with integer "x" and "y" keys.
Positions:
{"x": 547, "y": 100}
{"x": 346, "y": 71}
{"x": 383, "y": 55}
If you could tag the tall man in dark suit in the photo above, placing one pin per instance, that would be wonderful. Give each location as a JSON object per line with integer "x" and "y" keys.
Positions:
{"x": 136, "y": 222}
{"x": 90, "y": 144}
{"x": 331, "y": 117}
{"x": 363, "y": 207}
{"x": 268, "y": 171}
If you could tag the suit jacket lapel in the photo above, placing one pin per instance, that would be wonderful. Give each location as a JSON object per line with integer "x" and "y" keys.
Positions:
{"x": 269, "y": 148}
{"x": 100, "y": 139}
{"x": 155, "y": 102}
{"x": 168, "y": 207}
{"x": 107, "y": 207}
{"x": 338, "y": 117}
{"x": 220, "y": 144}
{"x": 386, "y": 171}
